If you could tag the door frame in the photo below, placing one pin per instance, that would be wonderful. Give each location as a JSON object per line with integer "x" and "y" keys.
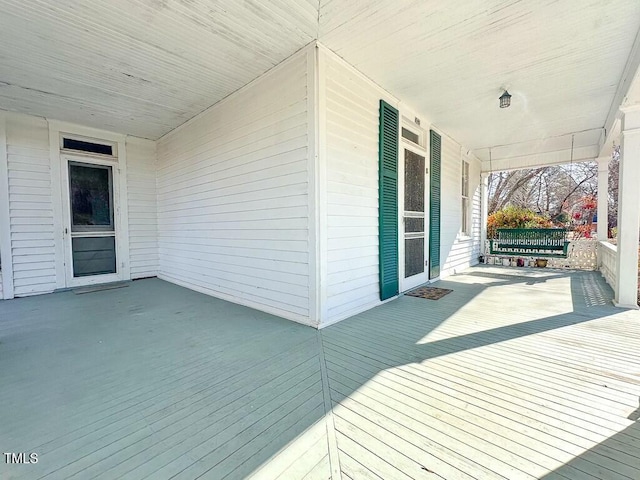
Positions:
{"x": 420, "y": 149}
{"x": 72, "y": 281}
{"x": 60, "y": 192}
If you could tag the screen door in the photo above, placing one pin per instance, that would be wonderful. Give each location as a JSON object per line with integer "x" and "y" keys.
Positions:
{"x": 92, "y": 225}
{"x": 413, "y": 220}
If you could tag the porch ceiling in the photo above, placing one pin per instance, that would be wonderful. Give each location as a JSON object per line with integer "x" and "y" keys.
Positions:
{"x": 145, "y": 67}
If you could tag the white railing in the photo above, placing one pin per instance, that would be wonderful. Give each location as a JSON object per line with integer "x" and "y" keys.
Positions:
{"x": 607, "y": 255}
{"x": 582, "y": 254}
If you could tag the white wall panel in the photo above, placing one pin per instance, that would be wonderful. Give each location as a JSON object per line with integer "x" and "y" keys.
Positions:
{"x": 351, "y": 157}
{"x": 30, "y": 205}
{"x": 458, "y": 251}
{"x": 143, "y": 215}
{"x": 233, "y": 203}
{"x": 6, "y": 263}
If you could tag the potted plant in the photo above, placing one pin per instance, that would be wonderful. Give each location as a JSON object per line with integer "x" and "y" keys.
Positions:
{"x": 541, "y": 262}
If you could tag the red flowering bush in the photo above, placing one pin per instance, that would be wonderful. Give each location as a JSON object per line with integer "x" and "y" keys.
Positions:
{"x": 582, "y": 231}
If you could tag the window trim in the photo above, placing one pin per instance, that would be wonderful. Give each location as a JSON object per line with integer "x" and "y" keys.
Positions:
{"x": 465, "y": 227}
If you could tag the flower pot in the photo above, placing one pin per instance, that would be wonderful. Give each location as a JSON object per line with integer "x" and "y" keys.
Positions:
{"x": 541, "y": 262}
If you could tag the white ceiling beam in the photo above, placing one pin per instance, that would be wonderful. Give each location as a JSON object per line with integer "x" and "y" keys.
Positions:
{"x": 537, "y": 160}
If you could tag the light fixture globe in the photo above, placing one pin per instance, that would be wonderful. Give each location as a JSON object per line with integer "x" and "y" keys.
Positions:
{"x": 505, "y": 100}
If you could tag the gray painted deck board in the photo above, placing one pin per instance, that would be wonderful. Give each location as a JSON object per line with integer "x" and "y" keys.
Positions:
{"x": 515, "y": 374}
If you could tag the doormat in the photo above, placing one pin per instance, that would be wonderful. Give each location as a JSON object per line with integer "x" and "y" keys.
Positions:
{"x": 99, "y": 288}
{"x": 430, "y": 293}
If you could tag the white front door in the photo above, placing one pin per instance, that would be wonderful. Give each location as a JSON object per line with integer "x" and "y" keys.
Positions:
{"x": 90, "y": 201}
{"x": 413, "y": 221}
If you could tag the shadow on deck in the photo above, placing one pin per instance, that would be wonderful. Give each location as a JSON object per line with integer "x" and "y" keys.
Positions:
{"x": 515, "y": 374}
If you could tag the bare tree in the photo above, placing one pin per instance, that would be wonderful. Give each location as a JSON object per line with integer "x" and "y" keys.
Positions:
{"x": 547, "y": 190}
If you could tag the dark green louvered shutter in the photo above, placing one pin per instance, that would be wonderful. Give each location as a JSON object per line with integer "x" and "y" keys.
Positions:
{"x": 388, "y": 200}
{"x": 434, "y": 205}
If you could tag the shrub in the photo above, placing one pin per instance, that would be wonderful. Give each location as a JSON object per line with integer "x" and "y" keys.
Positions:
{"x": 515, "y": 217}
{"x": 582, "y": 231}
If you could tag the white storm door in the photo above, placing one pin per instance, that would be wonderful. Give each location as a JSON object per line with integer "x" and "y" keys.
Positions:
{"x": 413, "y": 220}
{"x": 90, "y": 200}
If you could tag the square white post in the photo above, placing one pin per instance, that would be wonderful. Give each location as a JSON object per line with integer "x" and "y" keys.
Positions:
{"x": 484, "y": 209}
{"x": 628, "y": 210}
{"x": 603, "y": 199}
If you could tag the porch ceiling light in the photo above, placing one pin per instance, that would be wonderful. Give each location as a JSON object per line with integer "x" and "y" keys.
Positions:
{"x": 505, "y": 100}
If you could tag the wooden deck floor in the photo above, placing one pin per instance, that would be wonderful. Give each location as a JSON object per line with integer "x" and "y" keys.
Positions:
{"x": 517, "y": 374}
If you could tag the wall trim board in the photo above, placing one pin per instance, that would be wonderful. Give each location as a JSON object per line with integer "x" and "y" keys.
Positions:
{"x": 322, "y": 184}
{"x": 315, "y": 215}
{"x": 5, "y": 223}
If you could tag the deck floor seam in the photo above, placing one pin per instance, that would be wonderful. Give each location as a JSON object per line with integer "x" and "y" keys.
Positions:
{"x": 332, "y": 441}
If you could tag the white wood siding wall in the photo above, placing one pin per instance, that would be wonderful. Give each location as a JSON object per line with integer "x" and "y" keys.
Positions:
{"x": 30, "y": 205}
{"x": 458, "y": 251}
{"x": 143, "y": 215}
{"x": 233, "y": 213}
{"x": 349, "y": 127}
{"x": 351, "y": 154}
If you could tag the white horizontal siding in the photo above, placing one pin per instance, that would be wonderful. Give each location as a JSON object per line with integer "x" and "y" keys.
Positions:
{"x": 233, "y": 203}
{"x": 30, "y": 205}
{"x": 351, "y": 151}
{"x": 351, "y": 187}
{"x": 142, "y": 204}
{"x": 458, "y": 251}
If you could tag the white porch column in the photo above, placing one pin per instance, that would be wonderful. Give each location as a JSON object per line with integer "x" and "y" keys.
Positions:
{"x": 484, "y": 209}
{"x": 628, "y": 209}
{"x": 603, "y": 198}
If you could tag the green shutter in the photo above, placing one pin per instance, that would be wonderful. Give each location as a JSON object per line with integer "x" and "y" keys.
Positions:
{"x": 434, "y": 205}
{"x": 388, "y": 200}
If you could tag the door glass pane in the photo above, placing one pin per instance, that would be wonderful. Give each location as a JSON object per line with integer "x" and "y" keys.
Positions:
{"x": 414, "y": 182}
{"x": 91, "y": 197}
{"x": 413, "y": 256}
{"x": 93, "y": 255}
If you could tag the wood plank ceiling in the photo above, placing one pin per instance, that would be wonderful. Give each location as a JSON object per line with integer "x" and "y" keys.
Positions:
{"x": 143, "y": 67}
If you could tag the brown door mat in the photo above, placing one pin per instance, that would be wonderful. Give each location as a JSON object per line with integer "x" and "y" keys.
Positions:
{"x": 99, "y": 288}
{"x": 430, "y": 293}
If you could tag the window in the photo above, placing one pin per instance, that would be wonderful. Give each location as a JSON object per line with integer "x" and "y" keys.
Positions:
{"x": 411, "y": 136}
{"x": 412, "y": 133}
{"x": 465, "y": 198}
{"x": 74, "y": 144}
